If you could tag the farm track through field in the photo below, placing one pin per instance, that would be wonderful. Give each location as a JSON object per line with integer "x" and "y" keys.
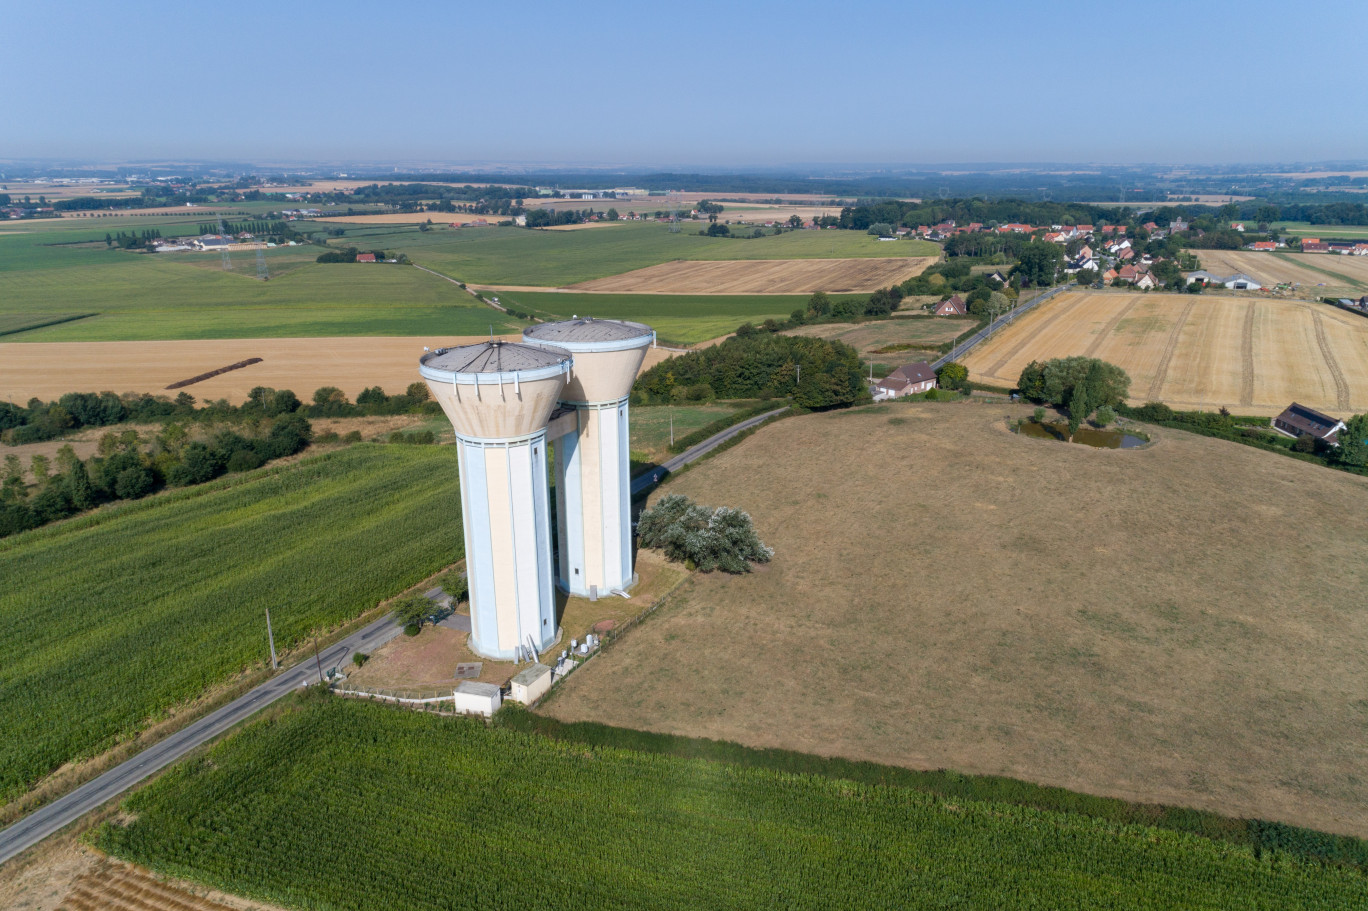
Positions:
{"x": 1247, "y": 358}
{"x": 1170, "y": 347}
{"x": 1027, "y": 340}
{"x": 1341, "y": 384}
{"x": 1110, "y": 327}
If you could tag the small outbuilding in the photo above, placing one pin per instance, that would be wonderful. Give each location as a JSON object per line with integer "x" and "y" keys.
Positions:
{"x": 473, "y": 698}
{"x": 365, "y": 257}
{"x": 1300, "y": 421}
{"x": 531, "y": 684}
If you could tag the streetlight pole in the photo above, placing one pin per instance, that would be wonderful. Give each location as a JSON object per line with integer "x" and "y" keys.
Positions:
{"x": 270, "y": 637}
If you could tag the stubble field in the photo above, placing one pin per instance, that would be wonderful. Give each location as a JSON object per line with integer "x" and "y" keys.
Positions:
{"x": 1253, "y": 356}
{"x": 871, "y": 338}
{"x": 775, "y": 276}
{"x": 1318, "y": 274}
{"x": 946, "y": 594}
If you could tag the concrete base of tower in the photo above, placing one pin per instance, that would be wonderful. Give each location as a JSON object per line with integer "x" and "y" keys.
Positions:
{"x": 497, "y": 654}
{"x": 592, "y": 592}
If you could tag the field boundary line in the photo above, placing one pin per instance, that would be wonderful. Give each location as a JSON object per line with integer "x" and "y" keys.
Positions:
{"x": 1110, "y": 327}
{"x": 1170, "y": 348}
{"x": 1026, "y": 340}
{"x": 457, "y": 283}
{"x": 1341, "y": 385}
{"x": 1247, "y": 357}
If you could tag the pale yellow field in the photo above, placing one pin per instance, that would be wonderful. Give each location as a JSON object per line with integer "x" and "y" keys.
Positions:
{"x": 49, "y": 370}
{"x": 1253, "y": 356}
{"x": 772, "y": 276}
{"x": 413, "y": 218}
{"x": 1308, "y": 270}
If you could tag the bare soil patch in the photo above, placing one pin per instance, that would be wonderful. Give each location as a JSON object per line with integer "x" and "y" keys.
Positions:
{"x": 775, "y": 276}
{"x": 1253, "y": 355}
{"x": 945, "y": 594}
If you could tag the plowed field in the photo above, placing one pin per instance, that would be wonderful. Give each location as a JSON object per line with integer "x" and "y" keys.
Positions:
{"x": 775, "y": 276}
{"x": 1251, "y": 356}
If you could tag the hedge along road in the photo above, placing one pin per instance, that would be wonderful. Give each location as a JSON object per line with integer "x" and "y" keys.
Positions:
{"x": 52, "y": 817}
{"x": 962, "y": 347}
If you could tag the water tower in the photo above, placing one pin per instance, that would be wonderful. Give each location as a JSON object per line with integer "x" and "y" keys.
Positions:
{"x": 499, "y": 397}
{"x": 592, "y": 449}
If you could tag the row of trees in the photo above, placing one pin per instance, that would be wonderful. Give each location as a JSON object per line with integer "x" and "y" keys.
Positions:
{"x": 124, "y": 470}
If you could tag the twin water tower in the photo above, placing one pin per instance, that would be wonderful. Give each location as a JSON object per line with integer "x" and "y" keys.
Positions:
{"x": 566, "y": 384}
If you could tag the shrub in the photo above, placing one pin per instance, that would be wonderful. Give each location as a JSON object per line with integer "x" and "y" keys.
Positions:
{"x": 133, "y": 483}
{"x": 722, "y": 538}
{"x": 411, "y": 611}
{"x": 353, "y": 436}
{"x": 1304, "y": 444}
{"x": 1038, "y": 415}
{"x": 244, "y": 460}
{"x": 360, "y": 658}
{"x": 1104, "y": 416}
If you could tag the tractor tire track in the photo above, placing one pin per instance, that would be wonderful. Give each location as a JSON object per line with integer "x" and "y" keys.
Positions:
{"x": 1341, "y": 385}
{"x": 1028, "y": 339}
{"x": 1247, "y": 358}
{"x": 1108, "y": 329}
{"x": 1170, "y": 347}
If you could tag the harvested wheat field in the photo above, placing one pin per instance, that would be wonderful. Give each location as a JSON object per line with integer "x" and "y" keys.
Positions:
{"x": 1253, "y": 356}
{"x": 1183, "y": 623}
{"x": 768, "y": 276}
{"x": 1310, "y": 271}
{"x": 49, "y": 370}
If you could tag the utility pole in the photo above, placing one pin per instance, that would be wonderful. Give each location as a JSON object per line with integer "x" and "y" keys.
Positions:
{"x": 270, "y": 637}
{"x": 672, "y": 425}
{"x": 318, "y": 663}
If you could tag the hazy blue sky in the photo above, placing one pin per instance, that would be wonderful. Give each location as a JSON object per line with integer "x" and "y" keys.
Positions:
{"x": 685, "y": 83}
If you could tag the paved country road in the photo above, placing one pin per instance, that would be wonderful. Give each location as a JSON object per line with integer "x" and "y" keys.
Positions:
{"x": 51, "y": 817}
{"x": 1010, "y": 316}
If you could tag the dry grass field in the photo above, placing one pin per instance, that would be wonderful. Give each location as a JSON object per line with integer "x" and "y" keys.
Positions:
{"x": 1253, "y": 356}
{"x": 48, "y": 370}
{"x": 869, "y": 338}
{"x": 1317, "y": 274}
{"x": 775, "y": 276}
{"x": 1183, "y": 623}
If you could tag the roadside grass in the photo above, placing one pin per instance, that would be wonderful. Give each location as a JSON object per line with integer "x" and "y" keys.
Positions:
{"x": 651, "y": 427}
{"x": 115, "y": 617}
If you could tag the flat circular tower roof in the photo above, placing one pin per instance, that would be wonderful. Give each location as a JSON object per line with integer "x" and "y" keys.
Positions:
{"x": 589, "y": 334}
{"x": 494, "y": 361}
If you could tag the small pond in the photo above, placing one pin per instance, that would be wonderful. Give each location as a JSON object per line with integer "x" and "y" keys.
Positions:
{"x": 1088, "y": 436}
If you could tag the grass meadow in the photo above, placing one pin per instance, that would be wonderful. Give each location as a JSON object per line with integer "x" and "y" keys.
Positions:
{"x": 113, "y": 618}
{"x": 262, "y": 814}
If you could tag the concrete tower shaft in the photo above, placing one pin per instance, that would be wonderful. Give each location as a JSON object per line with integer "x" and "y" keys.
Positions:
{"x": 499, "y": 397}
{"x": 593, "y": 477}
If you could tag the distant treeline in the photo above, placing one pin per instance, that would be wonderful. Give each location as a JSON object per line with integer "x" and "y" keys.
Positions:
{"x": 815, "y": 372}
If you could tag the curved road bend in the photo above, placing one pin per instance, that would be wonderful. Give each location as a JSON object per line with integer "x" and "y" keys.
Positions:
{"x": 51, "y": 817}
{"x": 696, "y": 452}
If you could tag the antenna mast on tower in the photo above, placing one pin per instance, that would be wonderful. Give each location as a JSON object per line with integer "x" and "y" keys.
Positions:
{"x": 223, "y": 232}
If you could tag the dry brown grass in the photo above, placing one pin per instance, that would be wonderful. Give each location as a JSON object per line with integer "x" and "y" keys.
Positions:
{"x": 1183, "y": 623}
{"x": 1253, "y": 356}
{"x": 65, "y": 874}
{"x": 773, "y": 276}
{"x": 869, "y": 338}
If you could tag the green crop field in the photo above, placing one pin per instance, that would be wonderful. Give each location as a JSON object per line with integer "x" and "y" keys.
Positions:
{"x": 110, "y": 619}
{"x": 516, "y": 256}
{"x": 1306, "y": 229}
{"x": 677, "y": 319}
{"x": 352, "y": 805}
{"x": 134, "y": 296}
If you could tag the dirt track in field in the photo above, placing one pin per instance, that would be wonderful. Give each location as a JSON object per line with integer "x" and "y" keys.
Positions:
{"x": 1251, "y": 355}
{"x": 49, "y": 370}
{"x": 1180, "y": 624}
{"x": 771, "y": 276}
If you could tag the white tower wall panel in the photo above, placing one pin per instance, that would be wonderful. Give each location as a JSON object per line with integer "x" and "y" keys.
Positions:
{"x": 593, "y": 494}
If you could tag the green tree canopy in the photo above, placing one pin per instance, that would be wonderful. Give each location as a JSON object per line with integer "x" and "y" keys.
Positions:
{"x": 1055, "y": 381}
